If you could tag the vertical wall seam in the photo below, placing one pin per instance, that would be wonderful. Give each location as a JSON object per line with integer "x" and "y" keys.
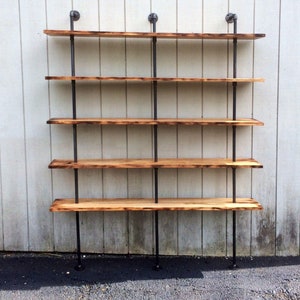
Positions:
{"x": 49, "y": 115}
{"x": 50, "y": 127}
{"x": 177, "y": 131}
{"x": 101, "y": 127}
{"x": 277, "y": 125}
{"x": 24, "y": 124}
{"x": 101, "y": 104}
{"x": 252, "y": 129}
{"x": 152, "y": 147}
{"x": 126, "y": 128}
{"x": 202, "y": 107}
{"x": 227, "y": 137}
{"x": 1, "y": 204}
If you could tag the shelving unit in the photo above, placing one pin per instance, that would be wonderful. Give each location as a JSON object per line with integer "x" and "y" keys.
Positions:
{"x": 78, "y": 204}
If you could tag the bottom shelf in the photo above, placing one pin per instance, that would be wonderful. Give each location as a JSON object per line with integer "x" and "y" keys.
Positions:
{"x": 148, "y": 204}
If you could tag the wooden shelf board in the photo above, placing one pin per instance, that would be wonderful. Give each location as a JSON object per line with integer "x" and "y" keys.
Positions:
{"x": 160, "y": 121}
{"x": 150, "y": 163}
{"x": 142, "y": 204}
{"x": 151, "y": 79}
{"x": 116, "y": 34}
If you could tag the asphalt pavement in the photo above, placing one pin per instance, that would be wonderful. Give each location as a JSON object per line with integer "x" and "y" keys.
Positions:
{"x": 52, "y": 276}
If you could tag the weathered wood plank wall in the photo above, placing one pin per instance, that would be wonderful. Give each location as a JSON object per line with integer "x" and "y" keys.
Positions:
{"x": 27, "y": 144}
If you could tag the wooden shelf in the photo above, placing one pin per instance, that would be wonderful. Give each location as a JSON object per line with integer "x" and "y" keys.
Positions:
{"x": 115, "y": 34}
{"x": 160, "y": 121}
{"x": 150, "y": 79}
{"x": 169, "y": 163}
{"x": 142, "y": 204}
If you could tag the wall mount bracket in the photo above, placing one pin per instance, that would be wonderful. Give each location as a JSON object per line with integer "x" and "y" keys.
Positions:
{"x": 74, "y": 15}
{"x": 231, "y": 17}
{"x": 153, "y": 18}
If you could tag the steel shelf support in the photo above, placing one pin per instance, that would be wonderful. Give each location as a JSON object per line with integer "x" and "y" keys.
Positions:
{"x": 153, "y": 18}
{"x": 232, "y": 18}
{"x": 75, "y": 16}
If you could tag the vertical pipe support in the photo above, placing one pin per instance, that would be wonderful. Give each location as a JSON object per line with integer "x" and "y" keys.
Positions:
{"x": 232, "y": 18}
{"x": 75, "y": 16}
{"x": 153, "y": 18}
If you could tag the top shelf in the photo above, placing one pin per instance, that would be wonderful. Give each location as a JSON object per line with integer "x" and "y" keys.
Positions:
{"x": 164, "y": 35}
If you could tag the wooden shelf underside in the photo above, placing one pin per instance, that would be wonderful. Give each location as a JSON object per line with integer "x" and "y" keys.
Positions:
{"x": 160, "y": 121}
{"x": 142, "y": 204}
{"x": 116, "y": 34}
{"x": 169, "y": 163}
{"x": 151, "y": 79}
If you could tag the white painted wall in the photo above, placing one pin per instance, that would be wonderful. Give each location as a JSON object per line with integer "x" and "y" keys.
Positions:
{"x": 27, "y": 143}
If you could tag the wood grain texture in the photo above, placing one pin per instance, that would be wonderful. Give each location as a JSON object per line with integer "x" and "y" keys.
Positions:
{"x": 149, "y": 163}
{"x": 165, "y": 35}
{"x": 148, "y": 204}
{"x": 151, "y": 79}
{"x": 160, "y": 121}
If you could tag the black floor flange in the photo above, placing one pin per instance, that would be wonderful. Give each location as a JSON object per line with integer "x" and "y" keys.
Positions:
{"x": 79, "y": 267}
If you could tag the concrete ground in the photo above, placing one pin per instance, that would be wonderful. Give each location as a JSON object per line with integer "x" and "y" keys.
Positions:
{"x": 52, "y": 276}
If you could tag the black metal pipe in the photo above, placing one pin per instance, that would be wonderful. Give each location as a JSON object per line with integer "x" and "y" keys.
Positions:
{"x": 234, "y": 89}
{"x": 232, "y": 18}
{"x": 157, "y": 265}
{"x": 79, "y": 266}
{"x": 153, "y": 18}
{"x": 234, "y": 264}
{"x": 157, "y": 262}
{"x": 74, "y": 16}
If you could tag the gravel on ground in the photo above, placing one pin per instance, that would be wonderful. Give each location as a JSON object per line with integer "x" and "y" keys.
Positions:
{"x": 52, "y": 276}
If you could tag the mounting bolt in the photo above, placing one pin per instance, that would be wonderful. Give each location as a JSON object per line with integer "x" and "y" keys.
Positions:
{"x": 74, "y": 15}
{"x": 230, "y": 17}
{"x": 153, "y": 18}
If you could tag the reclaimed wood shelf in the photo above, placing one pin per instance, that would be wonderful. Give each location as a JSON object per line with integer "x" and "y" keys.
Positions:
{"x": 160, "y": 121}
{"x": 152, "y": 79}
{"x": 169, "y": 163}
{"x": 142, "y": 204}
{"x": 165, "y": 35}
